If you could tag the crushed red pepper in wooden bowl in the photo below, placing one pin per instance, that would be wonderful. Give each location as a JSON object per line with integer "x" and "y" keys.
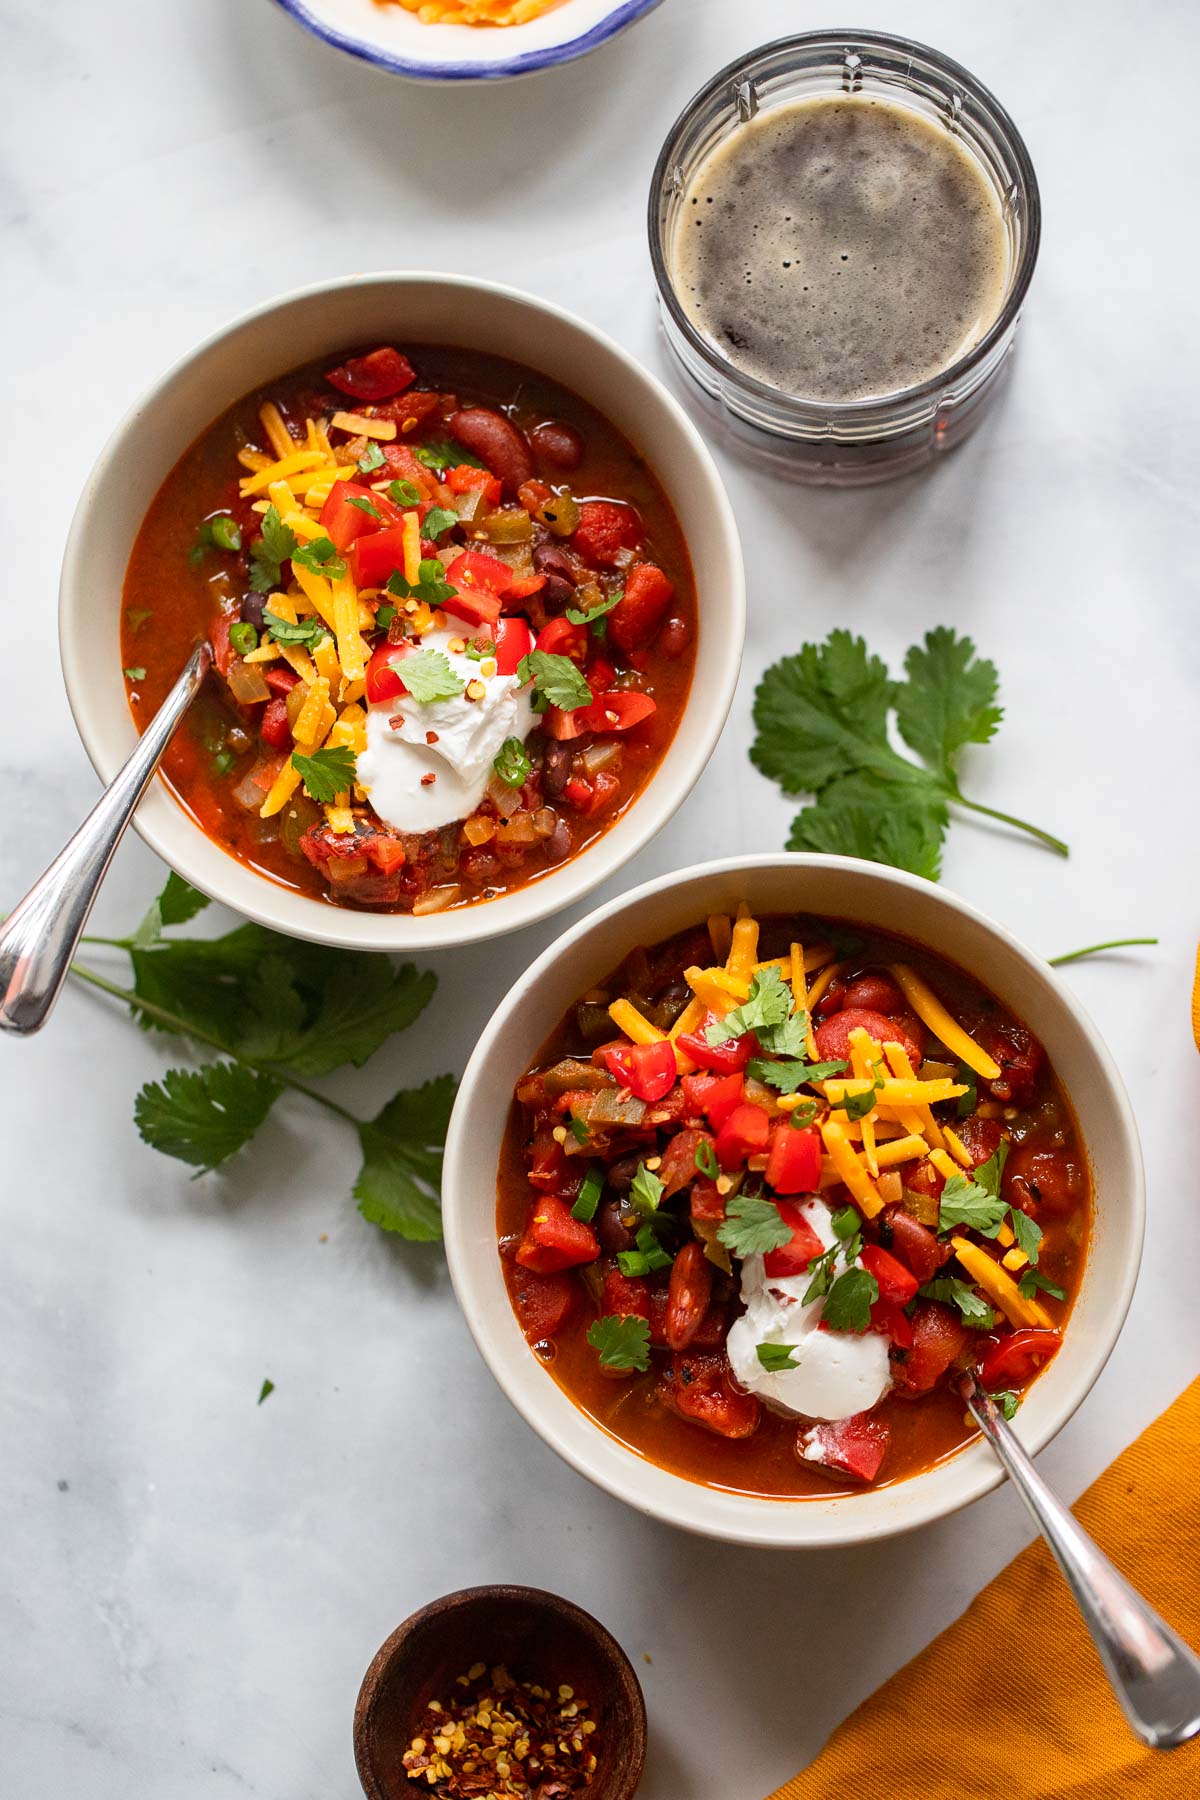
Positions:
{"x": 499, "y": 1738}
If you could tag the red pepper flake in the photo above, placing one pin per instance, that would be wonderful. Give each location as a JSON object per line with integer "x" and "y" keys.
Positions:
{"x": 431, "y": 737}
{"x": 428, "y": 780}
{"x": 499, "y": 1737}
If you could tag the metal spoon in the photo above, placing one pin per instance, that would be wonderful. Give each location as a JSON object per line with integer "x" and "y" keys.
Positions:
{"x": 39, "y": 937}
{"x": 1153, "y": 1673}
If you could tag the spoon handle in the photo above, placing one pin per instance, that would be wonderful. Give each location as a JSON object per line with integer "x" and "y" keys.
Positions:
{"x": 1154, "y": 1675}
{"x": 39, "y": 937}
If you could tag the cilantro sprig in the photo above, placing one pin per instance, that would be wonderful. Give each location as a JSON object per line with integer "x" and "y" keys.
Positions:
{"x": 951, "y": 1291}
{"x": 753, "y": 1226}
{"x": 326, "y": 773}
{"x": 557, "y": 681}
{"x": 791, "y": 1073}
{"x": 621, "y": 1343}
{"x": 269, "y": 552}
{"x": 428, "y": 676}
{"x": 822, "y": 717}
{"x": 307, "y": 633}
{"x": 280, "y": 1013}
{"x": 767, "y": 1011}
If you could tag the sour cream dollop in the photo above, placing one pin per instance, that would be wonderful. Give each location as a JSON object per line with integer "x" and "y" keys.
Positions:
{"x": 467, "y": 733}
{"x": 836, "y": 1373}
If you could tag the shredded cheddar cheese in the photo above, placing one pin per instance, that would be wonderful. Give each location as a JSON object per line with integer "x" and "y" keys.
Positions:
{"x": 932, "y": 1013}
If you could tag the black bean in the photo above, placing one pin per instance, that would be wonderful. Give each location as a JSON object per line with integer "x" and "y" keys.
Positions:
{"x": 556, "y": 769}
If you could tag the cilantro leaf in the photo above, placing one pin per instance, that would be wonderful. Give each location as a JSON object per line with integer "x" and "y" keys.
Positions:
{"x": 789, "y": 1074}
{"x": 849, "y": 1301}
{"x": 430, "y": 586}
{"x": 437, "y": 522}
{"x": 397, "y": 1186}
{"x": 364, "y": 1000}
{"x": 557, "y": 681}
{"x": 645, "y": 1190}
{"x": 621, "y": 1343}
{"x": 1027, "y": 1233}
{"x": 202, "y": 1116}
{"x": 320, "y": 557}
{"x": 953, "y": 1292}
{"x": 857, "y": 1106}
{"x": 767, "y": 1006}
{"x": 308, "y": 633}
{"x": 326, "y": 773}
{"x": 177, "y": 903}
{"x": 364, "y": 506}
{"x": 752, "y": 1226}
{"x": 371, "y": 459}
{"x": 269, "y": 552}
{"x": 1033, "y": 1282}
{"x": 441, "y": 456}
{"x": 595, "y": 615}
{"x": 266, "y": 1390}
{"x": 776, "y": 1357}
{"x": 989, "y": 1174}
{"x": 822, "y": 723}
{"x": 1008, "y": 1403}
{"x": 948, "y": 700}
{"x": 964, "y": 1202}
{"x": 138, "y": 674}
{"x": 428, "y": 676}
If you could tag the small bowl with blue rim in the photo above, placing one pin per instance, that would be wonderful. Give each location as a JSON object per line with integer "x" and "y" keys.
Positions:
{"x": 394, "y": 39}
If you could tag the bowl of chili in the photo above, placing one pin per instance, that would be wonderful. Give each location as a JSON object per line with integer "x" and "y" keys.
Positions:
{"x": 743, "y": 1311}
{"x": 422, "y": 470}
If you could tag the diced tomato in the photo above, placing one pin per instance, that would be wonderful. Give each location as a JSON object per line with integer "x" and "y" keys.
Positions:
{"x": 980, "y": 1138}
{"x": 626, "y": 1296}
{"x": 678, "y": 1169}
{"x": 1042, "y": 1182}
{"x": 375, "y": 377}
{"x": 465, "y": 480}
{"x": 593, "y": 795}
{"x": 522, "y": 586}
{"x": 554, "y": 1240}
{"x": 701, "y": 1387}
{"x": 744, "y": 1134}
{"x": 647, "y": 1070}
{"x": 604, "y": 528}
{"x": 641, "y": 609}
{"x": 874, "y": 992}
{"x": 383, "y": 679}
{"x": 544, "y": 1303}
{"x": 513, "y": 640}
{"x": 793, "y": 1258}
{"x": 386, "y": 852}
{"x": 722, "y": 1059}
{"x": 279, "y": 678}
{"x": 688, "y": 1294}
{"x": 794, "y": 1165}
{"x": 1015, "y": 1357}
{"x": 475, "y": 569}
{"x": 547, "y": 1160}
{"x": 562, "y": 726}
{"x": 892, "y": 1322}
{"x": 341, "y": 521}
{"x": 477, "y": 608}
{"x": 833, "y": 1036}
{"x": 938, "y": 1338}
{"x": 620, "y": 710}
{"x": 1020, "y": 1057}
{"x": 916, "y": 1245}
{"x": 561, "y": 638}
{"x": 896, "y": 1283}
{"x": 223, "y": 651}
{"x": 599, "y": 671}
{"x": 416, "y": 406}
{"x": 853, "y": 1447}
{"x": 376, "y": 556}
{"x": 273, "y": 726}
{"x": 715, "y": 1096}
{"x": 707, "y": 1200}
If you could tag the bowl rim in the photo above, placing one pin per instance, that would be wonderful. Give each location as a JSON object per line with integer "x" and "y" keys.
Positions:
{"x": 527, "y": 62}
{"x": 561, "y": 887}
{"x": 770, "y": 1516}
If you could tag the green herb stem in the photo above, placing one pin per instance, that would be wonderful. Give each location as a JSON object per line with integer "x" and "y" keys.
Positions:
{"x": 990, "y": 812}
{"x": 187, "y": 1029}
{"x": 1070, "y": 956}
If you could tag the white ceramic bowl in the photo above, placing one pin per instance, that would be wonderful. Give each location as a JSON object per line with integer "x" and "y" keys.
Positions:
{"x": 299, "y": 328}
{"x": 840, "y": 887}
{"x": 393, "y": 39}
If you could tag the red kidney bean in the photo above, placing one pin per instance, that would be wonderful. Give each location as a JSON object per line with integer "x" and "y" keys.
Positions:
{"x": 558, "y": 443}
{"x": 496, "y": 441}
{"x": 673, "y": 637}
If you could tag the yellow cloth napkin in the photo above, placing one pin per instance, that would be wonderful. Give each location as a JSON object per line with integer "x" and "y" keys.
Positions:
{"x": 1010, "y": 1701}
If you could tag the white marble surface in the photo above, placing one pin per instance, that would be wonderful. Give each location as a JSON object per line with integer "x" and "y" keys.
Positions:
{"x": 191, "y": 1587}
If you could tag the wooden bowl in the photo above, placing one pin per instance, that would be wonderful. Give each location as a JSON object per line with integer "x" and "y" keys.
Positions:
{"x": 541, "y": 1638}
